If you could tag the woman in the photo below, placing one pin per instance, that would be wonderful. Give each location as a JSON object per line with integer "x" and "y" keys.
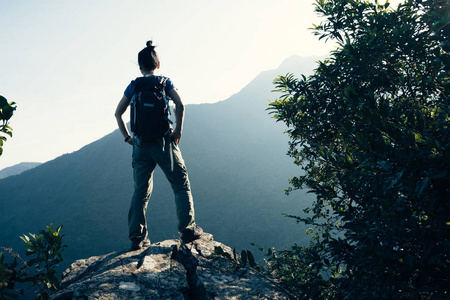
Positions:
{"x": 148, "y": 154}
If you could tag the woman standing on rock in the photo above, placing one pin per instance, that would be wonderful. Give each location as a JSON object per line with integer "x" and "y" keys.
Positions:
{"x": 155, "y": 146}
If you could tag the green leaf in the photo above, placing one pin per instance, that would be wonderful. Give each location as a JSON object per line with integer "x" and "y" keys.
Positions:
{"x": 359, "y": 137}
{"x": 422, "y": 185}
{"x": 348, "y": 159}
{"x": 8, "y": 133}
{"x": 418, "y": 138}
{"x": 3, "y": 101}
{"x": 393, "y": 181}
{"x": 251, "y": 259}
{"x": 31, "y": 262}
{"x": 244, "y": 257}
{"x": 25, "y": 238}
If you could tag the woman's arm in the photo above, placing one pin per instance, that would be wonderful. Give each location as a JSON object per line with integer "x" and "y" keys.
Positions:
{"x": 121, "y": 108}
{"x": 179, "y": 115}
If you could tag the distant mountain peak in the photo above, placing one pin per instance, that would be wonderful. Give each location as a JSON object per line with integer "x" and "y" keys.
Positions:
{"x": 17, "y": 169}
{"x": 299, "y": 64}
{"x": 256, "y": 90}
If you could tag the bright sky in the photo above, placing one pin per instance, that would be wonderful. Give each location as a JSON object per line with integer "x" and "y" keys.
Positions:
{"x": 67, "y": 63}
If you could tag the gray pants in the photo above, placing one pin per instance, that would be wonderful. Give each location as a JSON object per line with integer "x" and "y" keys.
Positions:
{"x": 146, "y": 155}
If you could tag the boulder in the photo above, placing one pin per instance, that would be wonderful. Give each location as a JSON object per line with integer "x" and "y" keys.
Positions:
{"x": 166, "y": 270}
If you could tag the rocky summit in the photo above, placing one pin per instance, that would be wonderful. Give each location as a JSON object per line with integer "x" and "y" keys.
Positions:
{"x": 165, "y": 270}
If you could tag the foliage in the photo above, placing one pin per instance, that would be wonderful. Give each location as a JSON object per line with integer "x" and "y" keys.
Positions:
{"x": 245, "y": 262}
{"x": 240, "y": 262}
{"x": 46, "y": 247}
{"x": 302, "y": 271}
{"x": 371, "y": 130}
{"x": 7, "y": 278}
{"x": 6, "y": 112}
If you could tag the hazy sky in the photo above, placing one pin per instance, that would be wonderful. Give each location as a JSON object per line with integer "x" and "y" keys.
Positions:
{"x": 67, "y": 63}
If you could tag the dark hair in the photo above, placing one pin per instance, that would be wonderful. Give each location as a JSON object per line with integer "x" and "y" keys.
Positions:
{"x": 148, "y": 58}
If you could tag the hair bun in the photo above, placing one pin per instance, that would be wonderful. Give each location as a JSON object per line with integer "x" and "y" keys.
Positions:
{"x": 148, "y": 58}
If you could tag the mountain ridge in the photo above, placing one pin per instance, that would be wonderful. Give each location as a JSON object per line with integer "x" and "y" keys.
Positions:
{"x": 17, "y": 169}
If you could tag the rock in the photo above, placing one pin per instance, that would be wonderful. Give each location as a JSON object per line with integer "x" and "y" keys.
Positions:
{"x": 166, "y": 270}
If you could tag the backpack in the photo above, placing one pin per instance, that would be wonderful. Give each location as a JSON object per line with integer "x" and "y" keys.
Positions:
{"x": 150, "y": 109}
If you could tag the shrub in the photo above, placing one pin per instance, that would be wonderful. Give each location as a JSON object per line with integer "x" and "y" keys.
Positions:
{"x": 45, "y": 248}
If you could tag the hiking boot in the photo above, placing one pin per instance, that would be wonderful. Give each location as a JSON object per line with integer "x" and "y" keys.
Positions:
{"x": 189, "y": 236}
{"x": 136, "y": 244}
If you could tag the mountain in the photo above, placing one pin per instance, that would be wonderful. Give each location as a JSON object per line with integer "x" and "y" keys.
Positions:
{"x": 238, "y": 168}
{"x": 17, "y": 169}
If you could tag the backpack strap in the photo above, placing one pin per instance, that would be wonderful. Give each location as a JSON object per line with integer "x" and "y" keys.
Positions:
{"x": 157, "y": 81}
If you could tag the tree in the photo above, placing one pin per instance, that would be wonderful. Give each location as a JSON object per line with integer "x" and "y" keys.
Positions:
{"x": 6, "y": 112}
{"x": 371, "y": 130}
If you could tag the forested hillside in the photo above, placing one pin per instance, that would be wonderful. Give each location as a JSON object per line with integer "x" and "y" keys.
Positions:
{"x": 237, "y": 163}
